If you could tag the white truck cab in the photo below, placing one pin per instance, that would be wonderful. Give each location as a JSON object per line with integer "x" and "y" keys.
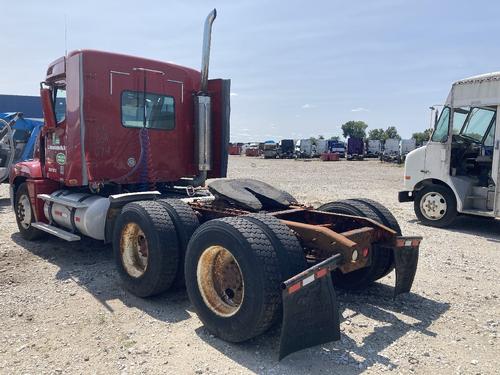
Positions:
{"x": 457, "y": 171}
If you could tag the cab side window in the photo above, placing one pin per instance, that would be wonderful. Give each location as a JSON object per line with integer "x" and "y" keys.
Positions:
{"x": 440, "y": 133}
{"x": 60, "y": 103}
{"x": 152, "y": 111}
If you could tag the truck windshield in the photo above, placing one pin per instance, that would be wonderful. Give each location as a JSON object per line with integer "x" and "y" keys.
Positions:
{"x": 478, "y": 123}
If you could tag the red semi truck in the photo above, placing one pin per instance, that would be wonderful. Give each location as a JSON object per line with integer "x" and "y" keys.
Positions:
{"x": 123, "y": 157}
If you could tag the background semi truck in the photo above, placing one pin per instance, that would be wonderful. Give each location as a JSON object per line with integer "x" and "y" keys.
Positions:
{"x": 373, "y": 148}
{"x": 336, "y": 146}
{"x": 124, "y": 159}
{"x": 355, "y": 148}
{"x": 457, "y": 171}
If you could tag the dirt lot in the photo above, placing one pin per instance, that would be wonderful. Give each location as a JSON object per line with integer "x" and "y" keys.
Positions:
{"x": 63, "y": 310}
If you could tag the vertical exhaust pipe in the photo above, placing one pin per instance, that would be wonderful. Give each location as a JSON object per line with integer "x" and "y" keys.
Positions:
{"x": 202, "y": 105}
{"x": 205, "y": 57}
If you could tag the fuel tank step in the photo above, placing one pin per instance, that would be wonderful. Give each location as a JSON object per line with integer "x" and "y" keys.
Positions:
{"x": 61, "y": 200}
{"x": 55, "y": 231}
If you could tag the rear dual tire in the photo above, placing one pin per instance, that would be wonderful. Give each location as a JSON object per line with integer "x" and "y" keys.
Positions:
{"x": 234, "y": 269}
{"x": 150, "y": 241}
{"x": 146, "y": 248}
{"x": 382, "y": 261}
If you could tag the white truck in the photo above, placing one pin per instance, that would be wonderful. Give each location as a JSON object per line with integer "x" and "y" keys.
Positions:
{"x": 457, "y": 172}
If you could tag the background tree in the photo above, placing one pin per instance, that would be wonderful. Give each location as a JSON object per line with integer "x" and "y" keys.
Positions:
{"x": 422, "y": 137}
{"x": 334, "y": 138}
{"x": 355, "y": 129}
{"x": 376, "y": 134}
{"x": 391, "y": 133}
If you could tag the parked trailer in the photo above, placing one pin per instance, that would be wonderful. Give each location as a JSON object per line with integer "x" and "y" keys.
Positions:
{"x": 373, "y": 148}
{"x": 307, "y": 148}
{"x": 286, "y": 149}
{"x": 406, "y": 146}
{"x": 252, "y": 150}
{"x": 234, "y": 149}
{"x": 355, "y": 149}
{"x": 335, "y": 147}
{"x": 391, "y": 150}
{"x": 321, "y": 146}
{"x": 249, "y": 255}
{"x": 330, "y": 156}
{"x": 270, "y": 150}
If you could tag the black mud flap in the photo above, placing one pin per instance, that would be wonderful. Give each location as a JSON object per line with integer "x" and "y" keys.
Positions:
{"x": 310, "y": 311}
{"x": 405, "y": 263}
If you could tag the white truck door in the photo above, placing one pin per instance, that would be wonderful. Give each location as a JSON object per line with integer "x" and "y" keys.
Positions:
{"x": 436, "y": 151}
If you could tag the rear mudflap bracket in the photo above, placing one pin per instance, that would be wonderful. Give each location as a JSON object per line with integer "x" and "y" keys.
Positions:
{"x": 310, "y": 308}
{"x": 405, "y": 250}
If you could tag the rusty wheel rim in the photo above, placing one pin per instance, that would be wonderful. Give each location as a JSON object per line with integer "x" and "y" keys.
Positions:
{"x": 134, "y": 250}
{"x": 220, "y": 281}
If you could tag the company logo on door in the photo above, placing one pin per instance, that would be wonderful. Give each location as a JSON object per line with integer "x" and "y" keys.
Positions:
{"x": 61, "y": 158}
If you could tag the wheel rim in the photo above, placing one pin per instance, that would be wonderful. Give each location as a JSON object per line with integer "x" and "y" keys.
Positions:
{"x": 433, "y": 206}
{"x": 24, "y": 211}
{"x": 220, "y": 281}
{"x": 134, "y": 250}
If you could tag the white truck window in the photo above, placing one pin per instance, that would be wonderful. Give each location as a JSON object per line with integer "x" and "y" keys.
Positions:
{"x": 440, "y": 133}
{"x": 459, "y": 117}
{"x": 478, "y": 123}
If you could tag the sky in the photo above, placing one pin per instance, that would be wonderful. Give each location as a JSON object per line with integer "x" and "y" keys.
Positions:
{"x": 297, "y": 68}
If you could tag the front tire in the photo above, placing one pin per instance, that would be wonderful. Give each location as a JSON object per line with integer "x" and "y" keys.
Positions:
{"x": 25, "y": 214}
{"x": 435, "y": 205}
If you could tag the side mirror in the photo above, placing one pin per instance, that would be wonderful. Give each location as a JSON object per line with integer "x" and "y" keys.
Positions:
{"x": 48, "y": 108}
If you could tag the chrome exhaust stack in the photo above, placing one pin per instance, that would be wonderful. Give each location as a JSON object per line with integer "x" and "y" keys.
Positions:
{"x": 202, "y": 105}
{"x": 205, "y": 57}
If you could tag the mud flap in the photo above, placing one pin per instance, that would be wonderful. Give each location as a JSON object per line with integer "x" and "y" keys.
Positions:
{"x": 310, "y": 311}
{"x": 405, "y": 263}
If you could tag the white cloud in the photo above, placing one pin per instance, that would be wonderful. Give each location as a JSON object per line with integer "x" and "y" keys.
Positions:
{"x": 360, "y": 109}
{"x": 308, "y": 106}
{"x": 234, "y": 94}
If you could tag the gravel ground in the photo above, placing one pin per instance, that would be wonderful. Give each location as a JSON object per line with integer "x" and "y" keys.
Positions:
{"x": 63, "y": 310}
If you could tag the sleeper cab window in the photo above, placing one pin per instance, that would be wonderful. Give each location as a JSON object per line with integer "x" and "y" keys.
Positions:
{"x": 152, "y": 111}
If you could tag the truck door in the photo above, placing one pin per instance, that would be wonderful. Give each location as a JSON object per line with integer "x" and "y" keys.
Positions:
{"x": 437, "y": 150}
{"x": 147, "y": 135}
{"x": 164, "y": 118}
